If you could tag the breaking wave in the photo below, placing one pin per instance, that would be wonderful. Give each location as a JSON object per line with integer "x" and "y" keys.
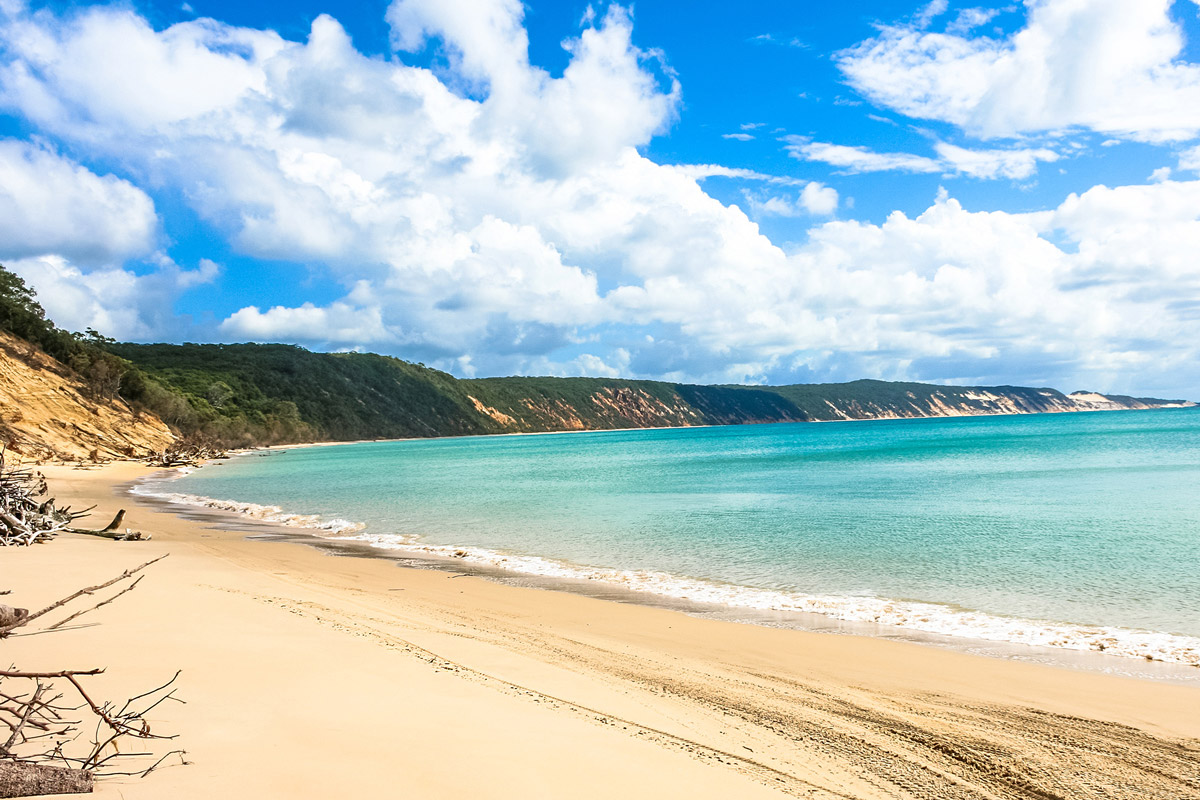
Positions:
{"x": 914, "y": 616}
{"x": 270, "y": 514}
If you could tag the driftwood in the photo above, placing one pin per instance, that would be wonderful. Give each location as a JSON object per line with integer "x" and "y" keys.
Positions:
{"x": 46, "y": 728}
{"x": 111, "y": 531}
{"x": 185, "y": 455}
{"x": 45, "y": 751}
{"x": 21, "y": 779}
{"x": 27, "y": 519}
{"x": 13, "y": 617}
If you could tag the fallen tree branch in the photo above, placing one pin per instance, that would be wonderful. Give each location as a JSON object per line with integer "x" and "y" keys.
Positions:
{"x": 109, "y": 528}
{"x": 62, "y": 673}
{"x": 31, "y": 718}
{"x": 102, "y": 603}
{"x": 24, "y": 520}
{"x": 45, "y": 748}
{"x": 4, "y": 631}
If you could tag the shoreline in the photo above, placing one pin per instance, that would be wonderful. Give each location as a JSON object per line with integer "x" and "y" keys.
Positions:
{"x": 1145, "y": 654}
{"x": 1092, "y": 661}
{"x": 430, "y": 672}
{"x": 331, "y": 443}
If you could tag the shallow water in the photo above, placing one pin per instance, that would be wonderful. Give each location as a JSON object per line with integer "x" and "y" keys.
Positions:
{"x": 1074, "y": 530}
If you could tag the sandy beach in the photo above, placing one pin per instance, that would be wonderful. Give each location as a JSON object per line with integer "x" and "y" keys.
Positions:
{"x": 310, "y": 675}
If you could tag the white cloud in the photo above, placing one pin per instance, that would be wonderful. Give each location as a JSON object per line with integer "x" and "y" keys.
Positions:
{"x": 487, "y": 37}
{"x": 858, "y": 159}
{"x": 49, "y": 204}
{"x": 604, "y": 101}
{"x": 1159, "y": 175}
{"x": 1107, "y": 65}
{"x": 77, "y": 69}
{"x": 117, "y": 302}
{"x": 969, "y": 19}
{"x": 1189, "y": 160}
{"x": 496, "y": 219}
{"x": 1015, "y": 163}
{"x": 1120, "y": 297}
{"x": 340, "y": 322}
{"x": 616, "y": 366}
{"x": 741, "y": 137}
{"x": 932, "y": 10}
{"x": 815, "y": 199}
{"x": 783, "y": 41}
{"x": 699, "y": 172}
{"x": 819, "y": 199}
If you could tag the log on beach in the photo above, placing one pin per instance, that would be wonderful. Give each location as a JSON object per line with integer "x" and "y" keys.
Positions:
{"x": 20, "y": 779}
{"x": 11, "y": 617}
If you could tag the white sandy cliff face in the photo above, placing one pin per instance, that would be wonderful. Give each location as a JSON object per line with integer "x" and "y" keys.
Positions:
{"x": 1092, "y": 401}
{"x": 46, "y": 412}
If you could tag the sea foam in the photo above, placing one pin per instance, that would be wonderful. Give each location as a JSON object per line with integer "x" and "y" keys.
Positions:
{"x": 914, "y": 616}
{"x": 273, "y": 515}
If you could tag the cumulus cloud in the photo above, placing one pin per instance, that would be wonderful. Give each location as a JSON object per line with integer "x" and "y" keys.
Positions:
{"x": 1013, "y": 163}
{"x": 49, "y": 204}
{"x": 977, "y": 289}
{"x": 76, "y": 70}
{"x": 1111, "y": 66}
{"x": 339, "y": 322}
{"x": 491, "y": 218}
{"x": 486, "y": 37}
{"x": 819, "y": 198}
{"x": 118, "y": 302}
{"x": 814, "y": 199}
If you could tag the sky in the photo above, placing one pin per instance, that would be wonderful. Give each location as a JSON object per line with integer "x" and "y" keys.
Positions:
{"x": 766, "y": 192}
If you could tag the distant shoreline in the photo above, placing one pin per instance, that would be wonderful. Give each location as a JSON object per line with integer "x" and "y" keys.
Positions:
{"x": 331, "y": 443}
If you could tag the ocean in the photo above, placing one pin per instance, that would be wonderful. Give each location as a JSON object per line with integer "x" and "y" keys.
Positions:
{"x": 1072, "y": 531}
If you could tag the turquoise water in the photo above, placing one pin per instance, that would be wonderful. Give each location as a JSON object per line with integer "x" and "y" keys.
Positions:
{"x": 967, "y": 526}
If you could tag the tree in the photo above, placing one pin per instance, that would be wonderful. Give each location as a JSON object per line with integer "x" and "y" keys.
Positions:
{"x": 219, "y": 393}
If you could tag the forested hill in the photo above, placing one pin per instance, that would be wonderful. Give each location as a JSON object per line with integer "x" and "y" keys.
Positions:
{"x": 64, "y": 393}
{"x": 255, "y": 393}
{"x": 59, "y": 392}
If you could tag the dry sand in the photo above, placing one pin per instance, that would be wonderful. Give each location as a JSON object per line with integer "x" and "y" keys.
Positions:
{"x": 310, "y": 675}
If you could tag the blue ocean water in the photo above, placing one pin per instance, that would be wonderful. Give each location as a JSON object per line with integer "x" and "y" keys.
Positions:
{"x": 1072, "y": 530}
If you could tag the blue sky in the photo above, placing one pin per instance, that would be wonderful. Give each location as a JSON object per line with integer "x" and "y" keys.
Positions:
{"x": 781, "y": 192}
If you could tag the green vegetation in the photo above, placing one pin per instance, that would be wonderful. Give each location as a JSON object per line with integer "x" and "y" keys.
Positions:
{"x": 248, "y": 394}
{"x": 271, "y": 393}
{"x": 278, "y": 393}
{"x": 23, "y": 317}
